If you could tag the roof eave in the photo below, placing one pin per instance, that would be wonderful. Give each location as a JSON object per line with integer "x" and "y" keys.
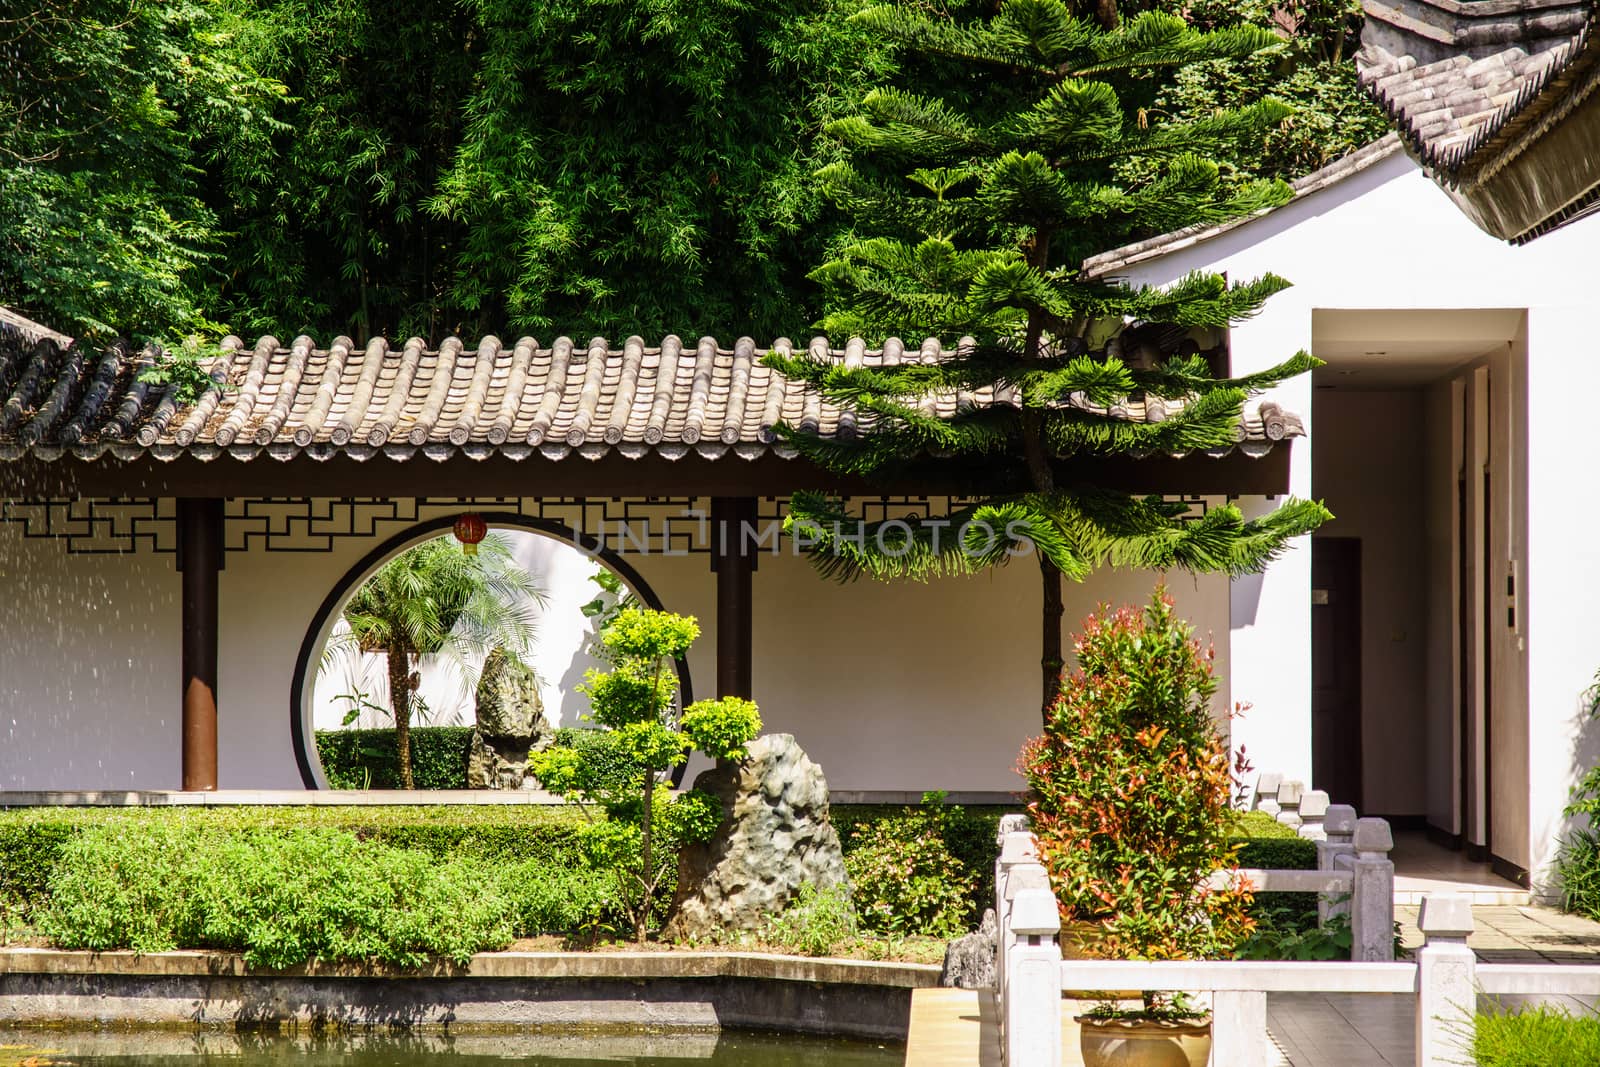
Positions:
{"x": 1519, "y": 190}
{"x": 1256, "y": 468}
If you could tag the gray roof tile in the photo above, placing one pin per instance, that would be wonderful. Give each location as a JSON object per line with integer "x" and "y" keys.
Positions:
{"x": 492, "y": 398}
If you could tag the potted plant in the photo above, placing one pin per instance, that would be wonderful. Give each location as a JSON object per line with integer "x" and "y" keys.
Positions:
{"x": 1130, "y": 789}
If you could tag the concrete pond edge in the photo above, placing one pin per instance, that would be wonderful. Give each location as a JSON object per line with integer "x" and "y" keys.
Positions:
{"x": 494, "y": 990}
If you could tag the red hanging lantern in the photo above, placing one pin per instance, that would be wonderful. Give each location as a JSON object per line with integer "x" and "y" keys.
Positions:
{"x": 469, "y": 530}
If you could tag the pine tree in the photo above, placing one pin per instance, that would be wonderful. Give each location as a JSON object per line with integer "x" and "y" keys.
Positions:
{"x": 973, "y": 211}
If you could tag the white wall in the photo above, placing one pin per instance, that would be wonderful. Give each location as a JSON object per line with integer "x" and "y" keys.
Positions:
{"x": 1373, "y": 485}
{"x": 897, "y": 687}
{"x": 1563, "y": 569}
{"x": 558, "y": 655}
{"x": 1442, "y": 464}
{"x": 1388, "y": 238}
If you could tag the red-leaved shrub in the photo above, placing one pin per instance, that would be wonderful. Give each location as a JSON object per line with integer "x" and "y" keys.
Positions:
{"x": 1130, "y": 792}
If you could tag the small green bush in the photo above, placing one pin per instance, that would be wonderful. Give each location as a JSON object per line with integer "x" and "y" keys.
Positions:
{"x": 1266, "y": 844}
{"x": 968, "y": 832}
{"x": 905, "y": 880}
{"x": 1578, "y": 864}
{"x": 815, "y": 922}
{"x": 280, "y": 898}
{"x": 1284, "y": 932}
{"x": 32, "y": 840}
{"x": 1539, "y": 1037}
{"x": 368, "y": 759}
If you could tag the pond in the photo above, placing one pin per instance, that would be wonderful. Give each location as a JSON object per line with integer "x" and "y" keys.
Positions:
{"x": 728, "y": 1048}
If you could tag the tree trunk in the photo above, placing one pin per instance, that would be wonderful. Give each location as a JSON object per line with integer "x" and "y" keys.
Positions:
{"x": 647, "y": 878}
{"x": 400, "y": 701}
{"x": 1050, "y": 660}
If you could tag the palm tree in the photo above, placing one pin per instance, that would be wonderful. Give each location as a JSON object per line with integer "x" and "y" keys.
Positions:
{"x": 436, "y": 600}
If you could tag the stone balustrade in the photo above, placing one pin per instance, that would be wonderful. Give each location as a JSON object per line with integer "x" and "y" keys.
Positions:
{"x": 1446, "y": 979}
{"x": 1354, "y": 875}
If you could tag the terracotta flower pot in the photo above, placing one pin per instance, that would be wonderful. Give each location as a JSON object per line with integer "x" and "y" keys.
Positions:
{"x": 1143, "y": 1043}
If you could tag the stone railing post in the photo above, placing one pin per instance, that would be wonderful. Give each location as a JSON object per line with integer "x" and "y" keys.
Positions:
{"x": 1339, "y": 827}
{"x": 1267, "y": 793}
{"x": 1239, "y": 1028}
{"x": 1017, "y": 848}
{"x": 1031, "y": 1009}
{"x": 1447, "y": 997}
{"x": 1313, "y": 815}
{"x": 1372, "y": 893}
{"x": 1289, "y": 794}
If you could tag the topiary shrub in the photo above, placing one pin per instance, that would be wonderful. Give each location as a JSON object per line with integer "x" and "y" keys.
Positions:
{"x": 902, "y": 877}
{"x": 1131, "y": 788}
{"x": 280, "y": 899}
{"x": 370, "y": 759}
{"x": 968, "y": 831}
{"x": 33, "y": 840}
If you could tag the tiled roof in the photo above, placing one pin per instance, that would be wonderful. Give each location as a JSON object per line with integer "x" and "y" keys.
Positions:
{"x": 1454, "y": 74}
{"x": 1108, "y": 264}
{"x": 490, "y": 399}
{"x": 18, "y": 327}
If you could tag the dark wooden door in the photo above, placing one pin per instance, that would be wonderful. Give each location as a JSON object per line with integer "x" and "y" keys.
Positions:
{"x": 1336, "y": 668}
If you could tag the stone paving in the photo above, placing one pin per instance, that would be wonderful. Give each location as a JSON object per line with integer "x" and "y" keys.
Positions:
{"x": 1375, "y": 1029}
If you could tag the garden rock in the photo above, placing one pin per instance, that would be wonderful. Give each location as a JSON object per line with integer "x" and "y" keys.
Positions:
{"x": 774, "y": 838}
{"x": 510, "y": 724}
{"x": 969, "y": 960}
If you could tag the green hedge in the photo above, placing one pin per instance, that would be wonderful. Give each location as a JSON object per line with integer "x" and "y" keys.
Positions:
{"x": 970, "y": 837}
{"x": 1267, "y": 844}
{"x": 32, "y": 839}
{"x": 438, "y": 757}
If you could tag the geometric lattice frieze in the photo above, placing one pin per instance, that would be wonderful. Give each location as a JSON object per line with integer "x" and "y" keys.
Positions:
{"x": 96, "y": 526}
{"x": 648, "y": 525}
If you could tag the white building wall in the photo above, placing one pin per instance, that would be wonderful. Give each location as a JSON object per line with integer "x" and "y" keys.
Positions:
{"x": 888, "y": 686}
{"x": 1387, "y": 238}
{"x": 1563, "y": 572}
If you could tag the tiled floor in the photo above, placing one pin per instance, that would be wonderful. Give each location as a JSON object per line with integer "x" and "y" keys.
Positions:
{"x": 1420, "y": 866}
{"x": 1519, "y": 935}
{"x": 1342, "y": 1029}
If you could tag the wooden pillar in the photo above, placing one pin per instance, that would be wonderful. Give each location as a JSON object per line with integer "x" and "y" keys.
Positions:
{"x": 733, "y": 558}
{"x": 200, "y": 552}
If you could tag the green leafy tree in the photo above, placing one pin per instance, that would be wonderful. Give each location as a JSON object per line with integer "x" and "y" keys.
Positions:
{"x": 973, "y": 211}
{"x": 1310, "y": 67}
{"x": 642, "y": 736}
{"x": 111, "y": 110}
{"x": 435, "y": 600}
{"x": 643, "y": 166}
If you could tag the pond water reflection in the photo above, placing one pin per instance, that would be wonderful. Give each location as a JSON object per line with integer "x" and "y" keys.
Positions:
{"x": 729, "y": 1048}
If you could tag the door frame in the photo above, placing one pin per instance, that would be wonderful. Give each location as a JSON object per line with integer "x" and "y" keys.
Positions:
{"x": 1350, "y": 549}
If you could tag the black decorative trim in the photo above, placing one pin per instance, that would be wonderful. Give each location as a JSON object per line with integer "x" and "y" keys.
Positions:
{"x": 1477, "y": 853}
{"x": 675, "y": 525}
{"x": 310, "y": 653}
{"x": 97, "y": 526}
{"x": 1443, "y": 838}
{"x": 1509, "y": 871}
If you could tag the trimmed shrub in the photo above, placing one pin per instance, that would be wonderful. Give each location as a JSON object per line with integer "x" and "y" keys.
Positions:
{"x": 904, "y": 880}
{"x": 1132, "y": 788}
{"x": 279, "y": 898}
{"x": 1267, "y": 844}
{"x": 1538, "y": 1037}
{"x": 369, "y": 759}
{"x": 967, "y": 832}
{"x": 33, "y": 840}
